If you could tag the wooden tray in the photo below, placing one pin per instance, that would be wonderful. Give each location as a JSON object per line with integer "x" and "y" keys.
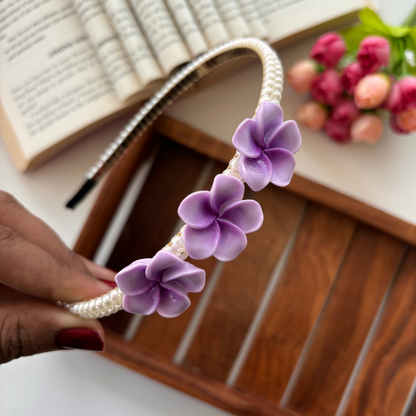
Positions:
{"x": 316, "y": 317}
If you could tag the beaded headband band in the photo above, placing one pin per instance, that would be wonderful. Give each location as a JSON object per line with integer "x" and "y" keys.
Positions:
{"x": 216, "y": 221}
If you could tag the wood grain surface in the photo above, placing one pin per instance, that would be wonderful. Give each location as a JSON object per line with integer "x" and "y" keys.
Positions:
{"x": 389, "y": 370}
{"x": 369, "y": 266}
{"x": 217, "y": 149}
{"x": 211, "y": 391}
{"x": 241, "y": 286}
{"x": 320, "y": 246}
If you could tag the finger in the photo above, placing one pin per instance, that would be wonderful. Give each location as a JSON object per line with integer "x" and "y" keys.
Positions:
{"x": 98, "y": 271}
{"x": 15, "y": 216}
{"x": 30, "y": 269}
{"x": 8, "y": 294}
{"x": 31, "y": 327}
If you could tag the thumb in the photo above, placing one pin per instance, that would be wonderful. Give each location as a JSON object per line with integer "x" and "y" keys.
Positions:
{"x": 30, "y": 327}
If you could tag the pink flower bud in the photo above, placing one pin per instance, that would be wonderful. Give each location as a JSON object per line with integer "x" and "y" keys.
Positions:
{"x": 326, "y": 88}
{"x": 367, "y": 128}
{"x": 345, "y": 111}
{"x": 395, "y": 127}
{"x": 312, "y": 115}
{"x": 328, "y": 49}
{"x": 371, "y": 91}
{"x": 300, "y": 75}
{"x": 402, "y": 95}
{"x": 350, "y": 77}
{"x": 340, "y": 132}
{"x": 374, "y": 52}
{"x": 407, "y": 120}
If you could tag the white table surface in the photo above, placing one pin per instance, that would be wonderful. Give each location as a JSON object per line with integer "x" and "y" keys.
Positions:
{"x": 76, "y": 382}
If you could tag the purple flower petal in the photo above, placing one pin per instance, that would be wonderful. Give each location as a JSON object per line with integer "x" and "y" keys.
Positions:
{"x": 173, "y": 300}
{"x": 225, "y": 189}
{"x": 195, "y": 210}
{"x": 283, "y": 166}
{"x": 286, "y": 136}
{"x": 161, "y": 262}
{"x": 132, "y": 279}
{"x": 144, "y": 304}
{"x": 233, "y": 241}
{"x": 268, "y": 116}
{"x": 190, "y": 277}
{"x": 246, "y": 215}
{"x": 201, "y": 244}
{"x": 243, "y": 139}
{"x": 256, "y": 172}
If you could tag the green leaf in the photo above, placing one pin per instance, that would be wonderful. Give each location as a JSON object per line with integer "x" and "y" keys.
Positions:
{"x": 370, "y": 19}
{"x": 398, "y": 32}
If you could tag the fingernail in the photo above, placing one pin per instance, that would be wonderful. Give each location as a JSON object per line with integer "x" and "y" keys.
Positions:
{"x": 80, "y": 338}
{"x": 113, "y": 285}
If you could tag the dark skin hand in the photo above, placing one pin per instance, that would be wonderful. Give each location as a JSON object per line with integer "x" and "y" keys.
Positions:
{"x": 36, "y": 270}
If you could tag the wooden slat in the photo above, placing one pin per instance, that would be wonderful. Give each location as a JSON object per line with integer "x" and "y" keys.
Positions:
{"x": 321, "y": 243}
{"x": 219, "y": 150}
{"x": 388, "y": 372}
{"x": 369, "y": 266}
{"x": 211, "y": 391}
{"x": 163, "y": 335}
{"x": 111, "y": 193}
{"x": 241, "y": 286}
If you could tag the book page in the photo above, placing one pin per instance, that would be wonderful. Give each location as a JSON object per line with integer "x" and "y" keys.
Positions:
{"x": 133, "y": 40}
{"x": 210, "y": 22}
{"x": 187, "y": 26}
{"x": 231, "y": 16}
{"x": 284, "y": 18}
{"x": 252, "y": 18}
{"x": 109, "y": 48}
{"x": 52, "y": 83}
{"x": 161, "y": 33}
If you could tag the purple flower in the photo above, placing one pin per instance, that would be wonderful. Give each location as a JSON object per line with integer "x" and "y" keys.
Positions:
{"x": 159, "y": 284}
{"x": 217, "y": 220}
{"x": 267, "y": 145}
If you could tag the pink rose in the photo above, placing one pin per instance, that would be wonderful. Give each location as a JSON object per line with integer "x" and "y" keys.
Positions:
{"x": 340, "y": 132}
{"x": 300, "y": 75}
{"x": 350, "y": 76}
{"x": 374, "y": 52}
{"x": 395, "y": 127}
{"x": 371, "y": 91}
{"x": 407, "y": 120}
{"x": 402, "y": 95}
{"x": 367, "y": 128}
{"x": 326, "y": 87}
{"x": 328, "y": 49}
{"x": 345, "y": 111}
{"x": 312, "y": 115}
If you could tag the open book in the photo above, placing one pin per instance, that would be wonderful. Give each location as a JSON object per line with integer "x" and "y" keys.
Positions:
{"x": 67, "y": 65}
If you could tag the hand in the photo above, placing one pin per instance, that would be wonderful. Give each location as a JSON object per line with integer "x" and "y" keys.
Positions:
{"x": 36, "y": 271}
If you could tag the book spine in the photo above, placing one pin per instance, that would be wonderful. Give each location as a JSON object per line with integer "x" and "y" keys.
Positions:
{"x": 231, "y": 16}
{"x": 133, "y": 40}
{"x": 209, "y": 21}
{"x": 252, "y": 18}
{"x": 108, "y": 47}
{"x": 187, "y": 26}
{"x": 163, "y": 36}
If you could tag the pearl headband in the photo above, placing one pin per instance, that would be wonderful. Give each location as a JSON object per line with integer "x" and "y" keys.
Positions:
{"x": 216, "y": 221}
